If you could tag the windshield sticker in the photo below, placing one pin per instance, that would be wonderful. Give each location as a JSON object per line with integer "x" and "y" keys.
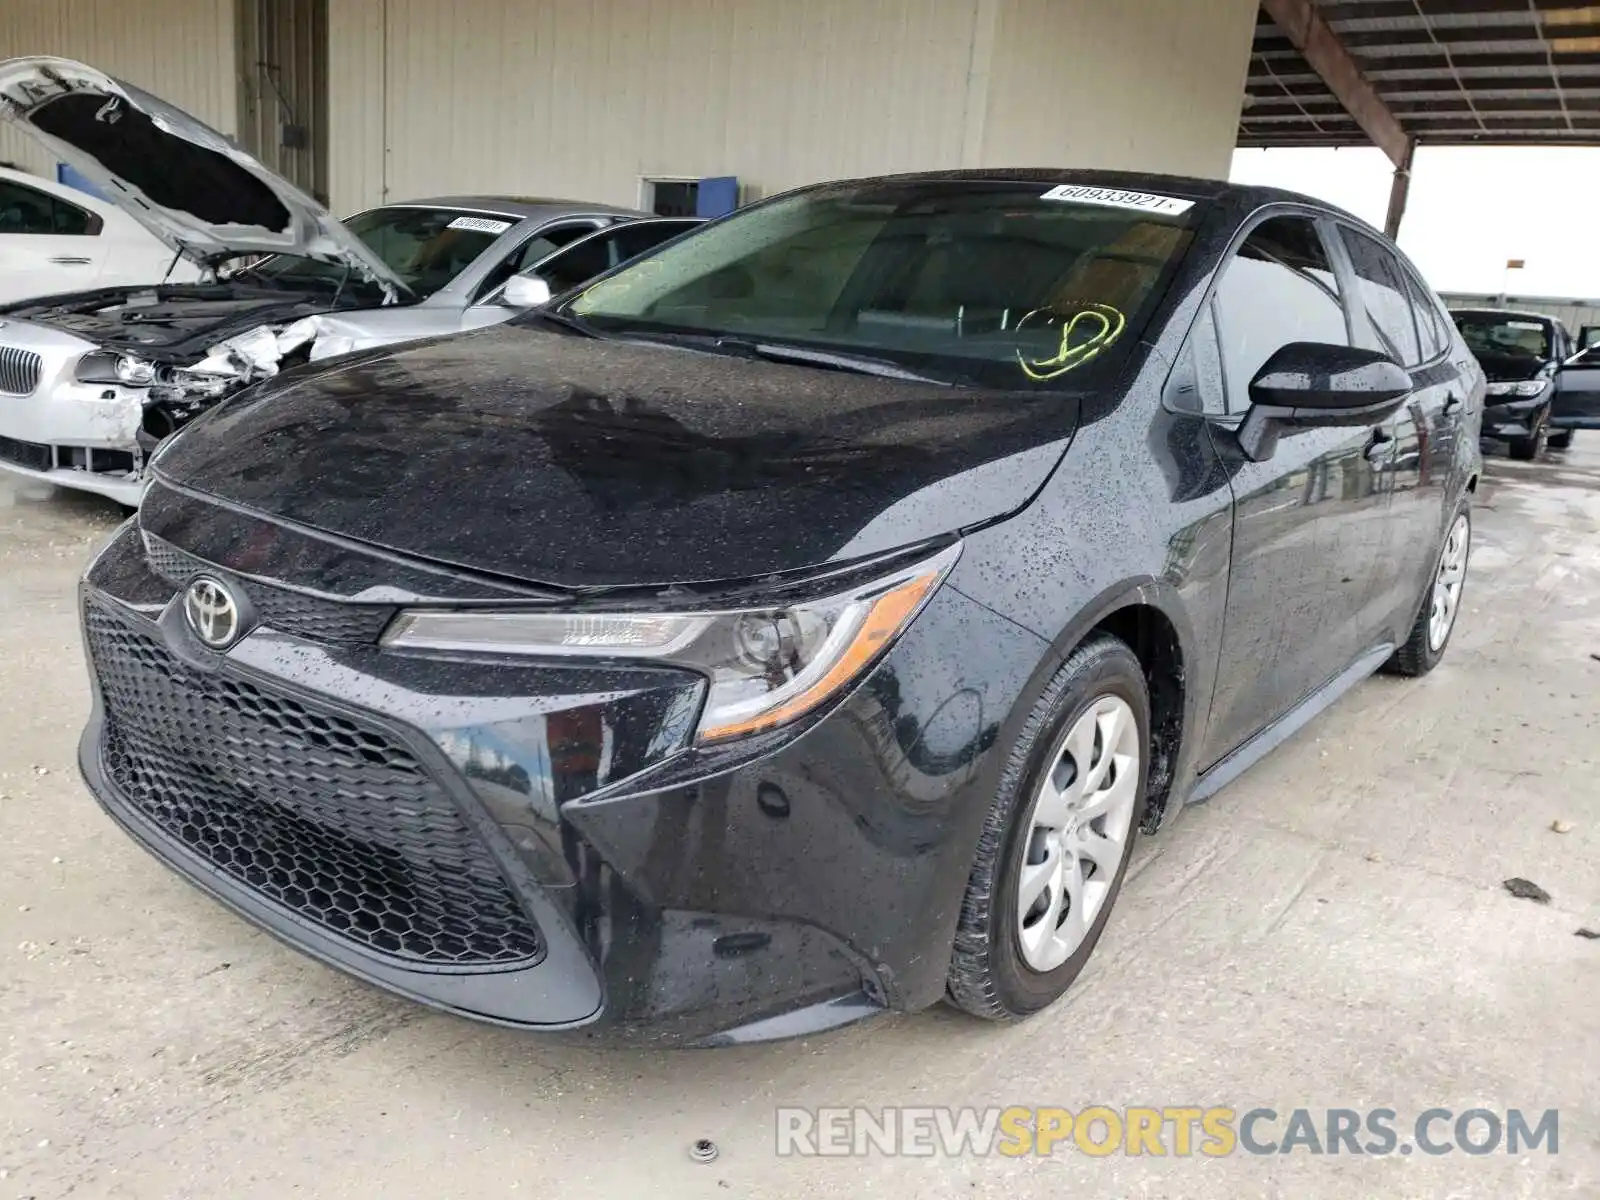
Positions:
{"x": 480, "y": 225}
{"x": 1090, "y": 330}
{"x": 1163, "y": 206}
{"x": 1533, "y": 326}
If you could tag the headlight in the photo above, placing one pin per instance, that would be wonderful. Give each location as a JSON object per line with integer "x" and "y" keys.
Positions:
{"x": 767, "y": 666}
{"x": 1524, "y": 389}
{"x": 104, "y": 366}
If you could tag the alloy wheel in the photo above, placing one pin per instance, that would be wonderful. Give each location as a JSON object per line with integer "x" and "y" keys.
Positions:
{"x": 1078, "y": 827}
{"x": 1447, "y": 582}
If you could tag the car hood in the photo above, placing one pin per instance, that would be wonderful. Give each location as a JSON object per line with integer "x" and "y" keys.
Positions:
{"x": 562, "y": 461}
{"x": 182, "y": 180}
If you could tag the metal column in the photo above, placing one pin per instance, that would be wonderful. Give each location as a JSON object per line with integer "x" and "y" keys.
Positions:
{"x": 1399, "y": 190}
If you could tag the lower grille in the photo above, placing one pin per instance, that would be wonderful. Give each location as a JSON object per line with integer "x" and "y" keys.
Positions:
{"x": 328, "y": 817}
{"x": 279, "y": 608}
{"x": 31, "y": 455}
{"x": 19, "y": 371}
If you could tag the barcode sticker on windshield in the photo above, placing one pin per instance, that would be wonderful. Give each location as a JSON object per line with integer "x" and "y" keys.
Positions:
{"x": 480, "y": 225}
{"x": 1534, "y": 326}
{"x": 1166, "y": 206}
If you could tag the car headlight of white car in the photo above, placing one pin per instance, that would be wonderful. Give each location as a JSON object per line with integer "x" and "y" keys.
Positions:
{"x": 1523, "y": 389}
{"x": 106, "y": 366}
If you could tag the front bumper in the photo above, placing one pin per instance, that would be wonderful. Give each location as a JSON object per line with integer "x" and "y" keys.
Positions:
{"x": 790, "y": 885}
{"x": 1510, "y": 419}
{"x": 72, "y": 434}
{"x": 112, "y": 474}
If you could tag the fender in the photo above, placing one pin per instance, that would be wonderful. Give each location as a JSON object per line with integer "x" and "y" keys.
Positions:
{"x": 1172, "y": 773}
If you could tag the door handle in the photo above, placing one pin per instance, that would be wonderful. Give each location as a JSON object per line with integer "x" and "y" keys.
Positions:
{"x": 70, "y": 260}
{"x": 1379, "y": 445}
{"x": 1452, "y": 404}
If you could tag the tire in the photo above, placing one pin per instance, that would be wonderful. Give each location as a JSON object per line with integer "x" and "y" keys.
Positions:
{"x": 1420, "y": 654}
{"x": 1527, "y": 449}
{"x": 1002, "y": 967}
{"x": 1560, "y": 441}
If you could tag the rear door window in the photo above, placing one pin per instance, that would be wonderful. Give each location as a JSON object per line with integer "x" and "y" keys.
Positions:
{"x": 1382, "y": 292}
{"x": 26, "y": 210}
{"x": 634, "y": 240}
{"x": 581, "y": 261}
{"x": 1279, "y": 288}
{"x": 539, "y": 246}
{"x": 1431, "y": 327}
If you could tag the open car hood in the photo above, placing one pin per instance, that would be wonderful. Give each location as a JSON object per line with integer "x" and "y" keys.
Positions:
{"x": 179, "y": 178}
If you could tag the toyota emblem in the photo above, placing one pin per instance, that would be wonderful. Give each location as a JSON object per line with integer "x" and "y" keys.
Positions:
{"x": 212, "y": 613}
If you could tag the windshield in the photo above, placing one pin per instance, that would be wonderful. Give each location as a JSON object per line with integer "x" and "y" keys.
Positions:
{"x": 1507, "y": 336}
{"x": 997, "y": 283}
{"x": 425, "y": 247}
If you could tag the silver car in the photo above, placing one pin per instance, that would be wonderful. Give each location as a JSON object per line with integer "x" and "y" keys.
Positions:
{"x": 91, "y": 382}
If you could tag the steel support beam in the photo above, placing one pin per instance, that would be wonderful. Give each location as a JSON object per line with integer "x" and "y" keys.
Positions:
{"x": 1399, "y": 190}
{"x": 1328, "y": 57}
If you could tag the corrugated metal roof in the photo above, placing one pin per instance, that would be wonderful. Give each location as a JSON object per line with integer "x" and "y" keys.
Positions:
{"x": 1452, "y": 71}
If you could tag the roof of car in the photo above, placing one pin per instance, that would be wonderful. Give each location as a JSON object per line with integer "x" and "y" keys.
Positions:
{"x": 522, "y": 207}
{"x": 1186, "y": 187}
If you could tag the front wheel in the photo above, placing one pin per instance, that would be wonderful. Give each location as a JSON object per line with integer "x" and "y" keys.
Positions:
{"x": 1441, "y": 602}
{"x": 1057, "y": 839}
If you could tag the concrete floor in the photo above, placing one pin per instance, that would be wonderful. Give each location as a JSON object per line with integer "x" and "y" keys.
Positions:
{"x": 1329, "y": 931}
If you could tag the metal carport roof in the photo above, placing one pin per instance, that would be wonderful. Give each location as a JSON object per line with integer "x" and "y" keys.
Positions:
{"x": 1396, "y": 73}
{"x": 1449, "y": 71}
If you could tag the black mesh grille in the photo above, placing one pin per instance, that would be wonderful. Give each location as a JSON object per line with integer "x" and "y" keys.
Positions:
{"x": 279, "y": 608}
{"x": 326, "y": 816}
{"x": 31, "y": 455}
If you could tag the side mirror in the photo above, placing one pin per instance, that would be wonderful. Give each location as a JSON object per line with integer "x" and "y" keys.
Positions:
{"x": 1311, "y": 384}
{"x": 525, "y": 291}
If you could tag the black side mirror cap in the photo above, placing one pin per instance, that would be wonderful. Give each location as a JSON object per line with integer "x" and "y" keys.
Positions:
{"x": 1313, "y": 384}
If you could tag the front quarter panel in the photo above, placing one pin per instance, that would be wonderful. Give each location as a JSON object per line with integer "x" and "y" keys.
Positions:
{"x": 1139, "y": 515}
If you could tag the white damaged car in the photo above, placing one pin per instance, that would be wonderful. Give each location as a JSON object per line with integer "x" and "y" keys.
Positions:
{"x": 91, "y": 382}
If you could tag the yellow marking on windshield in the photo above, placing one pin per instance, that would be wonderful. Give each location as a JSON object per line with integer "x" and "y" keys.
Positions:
{"x": 1103, "y": 326}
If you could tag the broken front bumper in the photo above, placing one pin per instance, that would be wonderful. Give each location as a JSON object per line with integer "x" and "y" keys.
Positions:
{"x": 72, "y": 434}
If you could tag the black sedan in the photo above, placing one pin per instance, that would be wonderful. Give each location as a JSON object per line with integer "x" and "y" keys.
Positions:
{"x": 798, "y": 623}
{"x": 1521, "y": 353}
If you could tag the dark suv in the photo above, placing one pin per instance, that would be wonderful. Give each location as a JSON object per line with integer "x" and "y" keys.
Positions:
{"x": 1520, "y": 353}
{"x": 797, "y": 623}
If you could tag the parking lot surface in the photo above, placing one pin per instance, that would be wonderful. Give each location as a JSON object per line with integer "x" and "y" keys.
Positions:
{"x": 1330, "y": 931}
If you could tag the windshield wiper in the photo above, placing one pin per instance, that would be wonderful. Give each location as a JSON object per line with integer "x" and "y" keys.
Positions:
{"x": 829, "y": 360}
{"x": 784, "y": 352}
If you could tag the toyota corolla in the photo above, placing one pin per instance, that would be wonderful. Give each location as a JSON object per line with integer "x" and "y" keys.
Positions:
{"x": 797, "y": 623}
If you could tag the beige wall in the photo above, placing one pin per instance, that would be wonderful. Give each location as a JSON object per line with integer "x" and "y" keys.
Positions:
{"x": 181, "y": 50}
{"x": 582, "y": 97}
{"x": 1144, "y": 84}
